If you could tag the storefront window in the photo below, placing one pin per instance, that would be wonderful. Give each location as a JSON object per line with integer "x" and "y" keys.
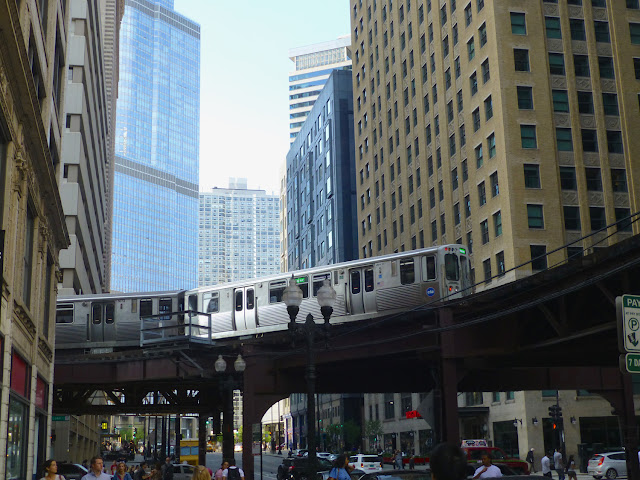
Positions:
{"x": 505, "y": 436}
{"x": 17, "y": 440}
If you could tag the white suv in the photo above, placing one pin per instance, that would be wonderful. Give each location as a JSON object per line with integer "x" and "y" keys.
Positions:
{"x": 366, "y": 463}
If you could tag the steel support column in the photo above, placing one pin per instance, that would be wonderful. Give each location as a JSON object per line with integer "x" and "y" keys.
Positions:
{"x": 202, "y": 439}
{"x": 227, "y": 423}
{"x": 629, "y": 428}
{"x": 178, "y": 438}
{"x": 448, "y": 381}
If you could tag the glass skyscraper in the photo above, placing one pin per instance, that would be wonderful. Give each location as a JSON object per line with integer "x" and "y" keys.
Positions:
{"x": 155, "y": 205}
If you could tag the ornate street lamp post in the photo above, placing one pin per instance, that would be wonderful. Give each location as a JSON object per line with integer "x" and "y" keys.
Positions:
{"x": 228, "y": 385}
{"x": 292, "y": 298}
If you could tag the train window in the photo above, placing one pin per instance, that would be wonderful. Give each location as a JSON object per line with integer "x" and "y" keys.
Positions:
{"x": 146, "y": 307}
{"x": 211, "y": 302}
{"x": 452, "y": 267}
{"x": 407, "y": 271}
{"x": 193, "y": 303}
{"x": 303, "y": 283}
{"x": 318, "y": 280}
{"x": 164, "y": 306}
{"x": 250, "y": 299}
{"x": 355, "y": 282}
{"x": 64, "y": 313}
{"x": 109, "y": 313}
{"x": 96, "y": 313}
{"x": 276, "y": 289}
{"x": 238, "y": 300}
{"x": 368, "y": 280}
{"x": 429, "y": 268}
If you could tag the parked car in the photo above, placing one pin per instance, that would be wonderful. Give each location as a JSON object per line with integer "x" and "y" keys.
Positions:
{"x": 71, "y": 471}
{"x": 367, "y": 463}
{"x": 504, "y": 469}
{"x": 302, "y": 452}
{"x": 390, "y": 474}
{"x": 610, "y": 465}
{"x": 296, "y": 467}
{"x": 327, "y": 456}
{"x": 357, "y": 474}
{"x": 182, "y": 471}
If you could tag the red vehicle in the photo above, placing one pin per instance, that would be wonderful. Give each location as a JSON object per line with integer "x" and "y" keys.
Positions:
{"x": 475, "y": 449}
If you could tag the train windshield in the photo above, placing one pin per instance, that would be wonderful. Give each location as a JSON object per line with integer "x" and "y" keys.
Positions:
{"x": 452, "y": 267}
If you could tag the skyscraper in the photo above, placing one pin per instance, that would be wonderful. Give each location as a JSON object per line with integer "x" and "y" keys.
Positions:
{"x": 313, "y": 65}
{"x": 508, "y": 129}
{"x": 239, "y": 235}
{"x": 321, "y": 182}
{"x": 155, "y": 208}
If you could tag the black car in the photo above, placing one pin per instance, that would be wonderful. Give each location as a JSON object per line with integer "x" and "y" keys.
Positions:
{"x": 297, "y": 467}
{"x": 71, "y": 471}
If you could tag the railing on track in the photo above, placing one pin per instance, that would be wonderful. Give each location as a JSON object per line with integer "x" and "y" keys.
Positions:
{"x": 172, "y": 327}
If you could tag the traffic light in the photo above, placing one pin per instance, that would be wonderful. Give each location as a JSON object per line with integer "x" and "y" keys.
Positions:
{"x": 555, "y": 412}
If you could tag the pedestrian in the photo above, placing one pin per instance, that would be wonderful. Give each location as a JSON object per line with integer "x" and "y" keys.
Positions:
{"x": 487, "y": 469}
{"x": 531, "y": 461}
{"x": 201, "y": 473}
{"x": 399, "y": 464}
{"x": 223, "y": 466}
{"x": 121, "y": 472}
{"x": 167, "y": 469}
{"x": 233, "y": 472}
{"x": 96, "y": 470}
{"x": 412, "y": 463}
{"x": 114, "y": 467}
{"x": 448, "y": 462}
{"x": 546, "y": 465}
{"x": 341, "y": 469}
{"x": 571, "y": 468}
{"x": 156, "y": 472}
{"x": 558, "y": 464}
{"x": 141, "y": 473}
{"x": 50, "y": 471}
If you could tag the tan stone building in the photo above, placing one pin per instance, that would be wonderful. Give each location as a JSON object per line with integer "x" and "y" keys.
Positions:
{"x": 32, "y": 52}
{"x": 508, "y": 126}
{"x": 505, "y": 126}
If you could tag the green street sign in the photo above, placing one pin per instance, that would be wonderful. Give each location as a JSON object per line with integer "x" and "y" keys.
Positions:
{"x": 59, "y": 418}
{"x": 628, "y": 315}
{"x": 632, "y": 362}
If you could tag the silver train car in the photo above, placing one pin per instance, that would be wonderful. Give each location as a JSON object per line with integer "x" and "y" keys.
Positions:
{"x": 366, "y": 288}
{"x": 112, "y": 320}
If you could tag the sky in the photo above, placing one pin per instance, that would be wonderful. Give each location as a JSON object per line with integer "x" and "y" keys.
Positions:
{"x": 244, "y": 70}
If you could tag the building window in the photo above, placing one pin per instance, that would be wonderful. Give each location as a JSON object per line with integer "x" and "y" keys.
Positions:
{"x": 576, "y": 26}
{"x": 571, "y": 217}
{"x": 501, "y": 271}
{"x": 531, "y": 175}
{"x": 484, "y": 231}
{"x": 528, "y": 136}
{"x": 475, "y": 115}
{"x": 564, "y": 142}
{"x": 482, "y": 33}
{"x": 623, "y": 220}
{"x": 482, "y": 195}
{"x": 581, "y": 66}
{"x": 598, "y": 218}
{"x": 389, "y": 410}
{"x": 594, "y": 180}
{"x": 497, "y": 223}
{"x": 471, "y": 50}
{"x": 618, "y": 180}
{"x": 479, "y": 159}
{"x": 525, "y": 98}
{"x": 589, "y": 140}
{"x": 560, "y": 101}
{"x": 518, "y": 23}
{"x": 538, "y": 257}
{"x": 614, "y": 141}
{"x": 473, "y": 83}
{"x": 535, "y": 216}
{"x": 552, "y": 26}
{"x": 610, "y": 103}
{"x": 601, "y": 30}
{"x": 605, "y": 65}
{"x": 486, "y": 74}
{"x": 634, "y": 30}
{"x": 556, "y": 63}
{"x": 568, "y": 178}
{"x": 491, "y": 141}
{"x": 486, "y": 266}
{"x": 585, "y": 102}
{"x": 454, "y": 179}
{"x": 495, "y": 188}
{"x": 468, "y": 17}
{"x": 27, "y": 263}
{"x": 521, "y": 59}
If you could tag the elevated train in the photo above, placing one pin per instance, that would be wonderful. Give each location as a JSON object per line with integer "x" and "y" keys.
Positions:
{"x": 366, "y": 288}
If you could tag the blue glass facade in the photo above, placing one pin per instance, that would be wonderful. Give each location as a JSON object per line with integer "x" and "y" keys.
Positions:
{"x": 321, "y": 181}
{"x": 155, "y": 204}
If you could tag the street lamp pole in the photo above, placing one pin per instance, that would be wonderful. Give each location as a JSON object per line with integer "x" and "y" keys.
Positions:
{"x": 292, "y": 298}
{"x": 228, "y": 384}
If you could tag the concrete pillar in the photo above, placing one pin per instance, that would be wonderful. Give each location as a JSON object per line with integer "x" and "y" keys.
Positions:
{"x": 202, "y": 439}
